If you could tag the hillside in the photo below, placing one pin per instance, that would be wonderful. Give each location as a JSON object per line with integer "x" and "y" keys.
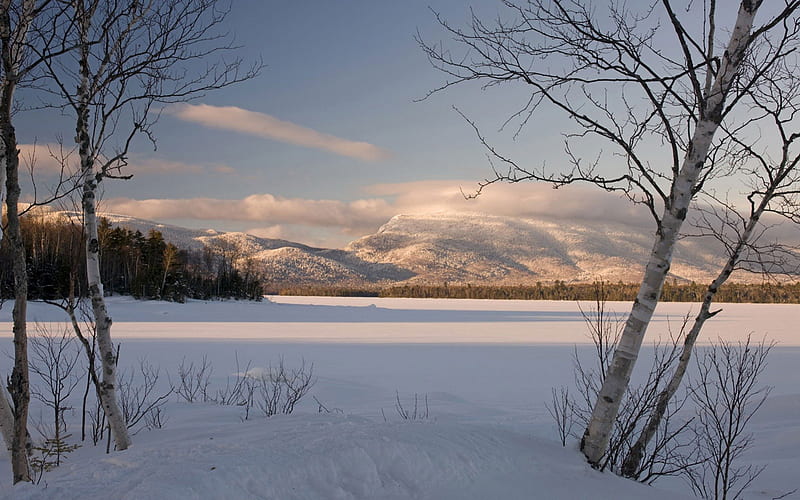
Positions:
{"x": 457, "y": 248}
{"x": 500, "y": 250}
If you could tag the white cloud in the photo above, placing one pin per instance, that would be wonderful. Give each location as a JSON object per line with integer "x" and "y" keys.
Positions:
{"x": 517, "y": 200}
{"x": 160, "y": 166}
{"x": 314, "y": 236}
{"x": 258, "y": 208}
{"x": 267, "y": 126}
{"x": 48, "y": 158}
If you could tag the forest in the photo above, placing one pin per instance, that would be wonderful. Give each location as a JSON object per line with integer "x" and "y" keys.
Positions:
{"x": 766, "y": 293}
{"x": 144, "y": 266}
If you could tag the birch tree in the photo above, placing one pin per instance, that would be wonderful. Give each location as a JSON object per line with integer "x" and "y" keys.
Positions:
{"x": 131, "y": 55}
{"x": 773, "y": 170}
{"x": 617, "y": 76}
{"x": 15, "y": 21}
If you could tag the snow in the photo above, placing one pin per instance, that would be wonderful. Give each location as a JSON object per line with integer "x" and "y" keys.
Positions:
{"x": 486, "y": 366}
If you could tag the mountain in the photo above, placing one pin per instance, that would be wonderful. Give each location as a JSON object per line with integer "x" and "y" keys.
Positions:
{"x": 493, "y": 249}
{"x": 457, "y": 248}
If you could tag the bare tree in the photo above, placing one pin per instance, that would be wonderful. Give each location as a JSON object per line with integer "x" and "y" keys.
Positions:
{"x": 54, "y": 357}
{"x": 669, "y": 453}
{"x": 193, "y": 380}
{"x": 131, "y": 55}
{"x": 280, "y": 389}
{"x": 12, "y": 38}
{"x": 773, "y": 104}
{"x": 727, "y": 396}
{"x": 27, "y": 28}
{"x": 614, "y": 77}
{"x": 72, "y": 307}
{"x": 139, "y": 396}
{"x": 562, "y": 412}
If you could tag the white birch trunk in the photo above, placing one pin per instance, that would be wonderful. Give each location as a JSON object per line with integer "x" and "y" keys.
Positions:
{"x": 6, "y": 420}
{"x": 633, "y": 461}
{"x": 108, "y": 358}
{"x": 597, "y": 434}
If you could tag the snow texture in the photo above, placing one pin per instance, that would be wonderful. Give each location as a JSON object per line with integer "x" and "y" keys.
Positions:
{"x": 486, "y": 366}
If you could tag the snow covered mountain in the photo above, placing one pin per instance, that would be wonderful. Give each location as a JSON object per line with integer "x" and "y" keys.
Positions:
{"x": 457, "y": 248}
{"x": 494, "y": 249}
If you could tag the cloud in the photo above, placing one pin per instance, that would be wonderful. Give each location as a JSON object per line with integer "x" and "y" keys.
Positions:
{"x": 569, "y": 203}
{"x": 259, "y": 208}
{"x": 160, "y": 166}
{"x": 264, "y": 125}
{"x": 318, "y": 237}
{"x": 48, "y": 158}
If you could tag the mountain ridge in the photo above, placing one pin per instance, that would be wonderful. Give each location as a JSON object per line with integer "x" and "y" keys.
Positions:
{"x": 456, "y": 249}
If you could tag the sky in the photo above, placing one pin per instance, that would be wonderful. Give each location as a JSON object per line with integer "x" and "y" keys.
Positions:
{"x": 335, "y": 136}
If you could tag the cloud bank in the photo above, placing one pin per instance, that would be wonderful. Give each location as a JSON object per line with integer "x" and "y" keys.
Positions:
{"x": 269, "y": 127}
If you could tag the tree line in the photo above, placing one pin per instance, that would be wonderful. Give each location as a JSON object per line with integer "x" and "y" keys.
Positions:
{"x": 769, "y": 293}
{"x": 145, "y": 266}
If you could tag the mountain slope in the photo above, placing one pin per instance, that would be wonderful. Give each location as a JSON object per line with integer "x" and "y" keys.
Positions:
{"x": 495, "y": 249}
{"x": 457, "y": 248}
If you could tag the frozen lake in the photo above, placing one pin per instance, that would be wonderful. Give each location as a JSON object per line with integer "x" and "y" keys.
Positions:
{"x": 485, "y": 363}
{"x": 409, "y": 321}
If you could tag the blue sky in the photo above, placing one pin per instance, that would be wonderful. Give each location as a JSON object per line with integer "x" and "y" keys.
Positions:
{"x": 329, "y": 142}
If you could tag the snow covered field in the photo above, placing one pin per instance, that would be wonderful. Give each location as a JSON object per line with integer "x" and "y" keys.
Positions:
{"x": 487, "y": 368}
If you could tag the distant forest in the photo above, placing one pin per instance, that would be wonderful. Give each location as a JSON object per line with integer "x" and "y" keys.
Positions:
{"x": 775, "y": 293}
{"x": 131, "y": 263}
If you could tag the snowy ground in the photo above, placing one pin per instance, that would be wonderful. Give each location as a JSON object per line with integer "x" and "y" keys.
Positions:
{"x": 486, "y": 366}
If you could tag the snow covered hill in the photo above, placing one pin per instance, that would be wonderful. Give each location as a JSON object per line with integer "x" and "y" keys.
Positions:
{"x": 457, "y": 248}
{"x": 494, "y": 249}
{"x": 213, "y": 455}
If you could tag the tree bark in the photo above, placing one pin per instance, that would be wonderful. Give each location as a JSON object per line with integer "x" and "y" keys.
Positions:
{"x": 597, "y": 434}
{"x": 6, "y": 413}
{"x": 633, "y": 460}
{"x": 6, "y": 420}
{"x": 19, "y": 385}
{"x": 2, "y": 183}
{"x": 108, "y": 358}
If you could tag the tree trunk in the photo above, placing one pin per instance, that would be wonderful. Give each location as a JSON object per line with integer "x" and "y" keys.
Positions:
{"x": 2, "y": 183}
{"x": 6, "y": 413}
{"x": 108, "y": 358}
{"x": 633, "y": 460}
{"x": 19, "y": 385}
{"x": 597, "y": 434}
{"x": 6, "y": 420}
